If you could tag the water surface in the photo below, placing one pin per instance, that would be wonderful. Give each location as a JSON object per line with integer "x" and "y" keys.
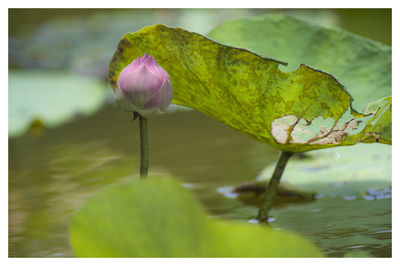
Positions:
{"x": 52, "y": 174}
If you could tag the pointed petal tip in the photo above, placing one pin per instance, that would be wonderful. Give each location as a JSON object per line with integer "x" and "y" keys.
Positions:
{"x": 146, "y": 58}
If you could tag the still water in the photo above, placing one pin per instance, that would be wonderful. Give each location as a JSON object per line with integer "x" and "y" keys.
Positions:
{"x": 52, "y": 173}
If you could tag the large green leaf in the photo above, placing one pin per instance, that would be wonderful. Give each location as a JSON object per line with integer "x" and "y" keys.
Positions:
{"x": 159, "y": 218}
{"x": 297, "y": 111}
{"x": 361, "y": 64}
{"x": 50, "y": 97}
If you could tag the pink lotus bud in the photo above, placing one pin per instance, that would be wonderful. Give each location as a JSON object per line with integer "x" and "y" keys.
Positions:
{"x": 144, "y": 87}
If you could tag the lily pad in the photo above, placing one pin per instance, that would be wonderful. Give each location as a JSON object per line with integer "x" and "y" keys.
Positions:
{"x": 159, "y": 218}
{"x": 342, "y": 171}
{"x": 296, "y": 111}
{"x": 50, "y": 99}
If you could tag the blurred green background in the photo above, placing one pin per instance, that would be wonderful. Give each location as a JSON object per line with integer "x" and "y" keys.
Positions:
{"x": 68, "y": 139}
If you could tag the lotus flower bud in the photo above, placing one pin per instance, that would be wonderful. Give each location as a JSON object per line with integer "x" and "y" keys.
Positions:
{"x": 144, "y": 87}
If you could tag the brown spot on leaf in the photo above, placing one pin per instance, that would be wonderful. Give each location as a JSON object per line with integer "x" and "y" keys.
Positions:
{"x": 373, "y": 134}
{"x": 280, "y": 127}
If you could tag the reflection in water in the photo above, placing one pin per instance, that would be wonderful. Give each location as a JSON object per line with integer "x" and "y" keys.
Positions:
{"x": 378, "y": 193}
{"x": 51, "y": 175}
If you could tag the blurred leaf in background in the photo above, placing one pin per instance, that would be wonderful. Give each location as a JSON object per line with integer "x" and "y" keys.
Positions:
{"x": 50, "y": 97}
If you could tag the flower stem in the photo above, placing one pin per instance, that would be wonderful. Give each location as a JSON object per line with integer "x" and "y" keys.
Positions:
{"x": 273, "y": 187}
{"x": 144, "y": 147}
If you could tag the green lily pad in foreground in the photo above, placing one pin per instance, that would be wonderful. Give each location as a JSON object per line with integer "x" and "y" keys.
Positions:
{"x": 297, "y": 111}
{"x": 159, "y": 218}
{"x": 50, "y": 98}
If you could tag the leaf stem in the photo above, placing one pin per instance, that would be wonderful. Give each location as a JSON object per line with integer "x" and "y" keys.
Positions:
{"x": 144, "y": 147}
{"x": 273, "y": 187}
